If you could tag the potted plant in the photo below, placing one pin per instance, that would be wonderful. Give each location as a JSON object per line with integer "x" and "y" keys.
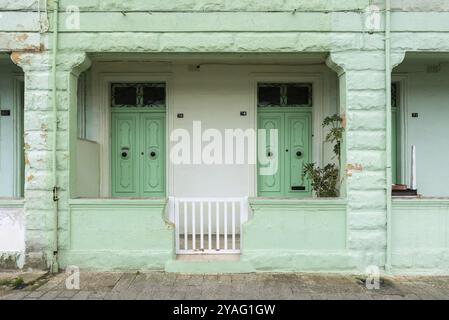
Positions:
{"x": 325, "y": 181}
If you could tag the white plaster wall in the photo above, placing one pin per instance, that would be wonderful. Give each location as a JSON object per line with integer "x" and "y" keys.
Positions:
{"x": 215, "y": 95}
{"x": 12, "y": 231}
{"x": 428, "y": 95}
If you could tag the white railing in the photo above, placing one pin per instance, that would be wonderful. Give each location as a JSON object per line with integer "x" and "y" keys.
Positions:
{"x": 208, "y": 225}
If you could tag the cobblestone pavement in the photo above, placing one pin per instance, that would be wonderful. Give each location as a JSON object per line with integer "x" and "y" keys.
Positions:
{"x": 159, "y": 285}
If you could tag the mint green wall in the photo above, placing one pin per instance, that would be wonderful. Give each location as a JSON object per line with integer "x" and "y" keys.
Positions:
{"x": 420, "y": 241}
{"x": 117, "y": 234}
{"x": 188, "y": 26}
{"x": 294, "y": 235}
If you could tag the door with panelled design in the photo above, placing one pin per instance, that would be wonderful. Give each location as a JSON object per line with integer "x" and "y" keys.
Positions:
{"x": 286, "y": 107}
{"x": 292, "y": 153}
{"x": 271, "y": 184}
{"x": 298, "y": 136}
{"x": 138, "y": 154}
{"x": 152, "y": 129}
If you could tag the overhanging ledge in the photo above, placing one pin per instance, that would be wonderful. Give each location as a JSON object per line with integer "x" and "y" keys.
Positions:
{"x": 104, "y": 202}
{"x": 309, "y": 203}
{"x": 11, "y": 203}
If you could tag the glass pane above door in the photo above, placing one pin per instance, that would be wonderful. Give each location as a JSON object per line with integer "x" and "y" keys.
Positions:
{"x": 126, "y": 95}
{"x": 284, "y": 95}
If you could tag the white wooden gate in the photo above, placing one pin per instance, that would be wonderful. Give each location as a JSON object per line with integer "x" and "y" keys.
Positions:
{"x": 208, "y": 225}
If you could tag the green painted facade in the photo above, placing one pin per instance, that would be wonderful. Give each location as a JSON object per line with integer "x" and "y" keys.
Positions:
{"x": 287, "y": 233}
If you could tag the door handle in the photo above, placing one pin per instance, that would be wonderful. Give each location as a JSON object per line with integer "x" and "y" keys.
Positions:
{"x": 152, "y": 154}
{"x": 124, "y": 152}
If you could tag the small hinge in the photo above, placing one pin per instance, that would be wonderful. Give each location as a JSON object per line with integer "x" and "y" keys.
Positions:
{"x": 55, "y": 194}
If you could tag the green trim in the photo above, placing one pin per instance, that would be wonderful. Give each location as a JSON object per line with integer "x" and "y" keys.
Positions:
{"x": 311, "y": 203}
{"x": 149, "y": 202}
{"x": 157, "y": 109}
{"x": 270, "y": 109}
{"x": 420, "y": 202}
{"x": 12, "y": 203}
{"x": 55, "y": 241}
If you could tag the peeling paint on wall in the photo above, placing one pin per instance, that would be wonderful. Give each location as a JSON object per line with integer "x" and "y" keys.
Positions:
{"x": 12, "y": 238}
{"x": 351, "y": 168}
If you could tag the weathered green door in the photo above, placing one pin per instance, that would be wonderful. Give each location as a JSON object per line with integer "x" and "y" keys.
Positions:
{"x": 271, "y": 185}
{"x": 292, "y": 152}
{"x": 138, "y": 154}
{"x": 152, "y": 166}
{"x": 298, "y": 135}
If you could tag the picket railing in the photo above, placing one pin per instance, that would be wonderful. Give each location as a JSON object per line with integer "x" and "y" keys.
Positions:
{"x": 208, "y": 225}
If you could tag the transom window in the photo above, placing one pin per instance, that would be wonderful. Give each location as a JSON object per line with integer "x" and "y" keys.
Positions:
{"x": 284, "y": 95}
{"x": 125, "y": 95}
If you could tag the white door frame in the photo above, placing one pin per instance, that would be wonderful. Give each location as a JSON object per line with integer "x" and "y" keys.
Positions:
{"x": 103, "y": 100}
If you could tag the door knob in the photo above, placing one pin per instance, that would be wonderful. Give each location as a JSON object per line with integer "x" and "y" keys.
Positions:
{"x": 124, "y": 152}
{"x": 298, "y": 154}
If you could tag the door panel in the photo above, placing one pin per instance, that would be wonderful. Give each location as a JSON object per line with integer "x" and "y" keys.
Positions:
{"x": 138, "y": 154}
{"x": 271, "y": 184}
{"x": 125, "y": 155}
{"x": 153, "y": 160}
{"x": 293, "y": 152}
{"x": 297, "y": 154}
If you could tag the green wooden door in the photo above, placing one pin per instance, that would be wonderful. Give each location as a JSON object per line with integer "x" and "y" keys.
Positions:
{"x": 138, "y": 154}
{"x": 293, "y": 151}
{"x": 298, "y": 135}
{"x": 271, "y": 185}
{"x": 152, "y": 166}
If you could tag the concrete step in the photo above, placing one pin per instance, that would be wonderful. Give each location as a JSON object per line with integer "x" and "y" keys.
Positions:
{"x": 208, "y": 267}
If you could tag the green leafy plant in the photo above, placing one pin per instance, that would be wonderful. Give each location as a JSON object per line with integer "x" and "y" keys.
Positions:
{"x": 16, "y": 283}
{"x": 325, "y": 181}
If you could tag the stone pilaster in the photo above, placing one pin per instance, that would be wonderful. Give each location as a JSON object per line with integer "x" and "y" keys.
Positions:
{"x": 38, "y": 135}
{"x": 363, "y": 103}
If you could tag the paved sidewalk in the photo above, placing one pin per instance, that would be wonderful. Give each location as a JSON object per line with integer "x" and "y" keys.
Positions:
{"x": 159, "y": 285}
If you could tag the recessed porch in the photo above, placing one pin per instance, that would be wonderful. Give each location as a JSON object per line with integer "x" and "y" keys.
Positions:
{"x": 221, "y": 92}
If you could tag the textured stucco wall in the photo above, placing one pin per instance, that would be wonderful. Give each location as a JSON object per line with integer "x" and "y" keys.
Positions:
{"x": 356, "y": 53}
{"x": 420, "y": 237}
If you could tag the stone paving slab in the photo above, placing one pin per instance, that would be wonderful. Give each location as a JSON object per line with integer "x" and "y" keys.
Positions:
{"x": 27, "y": 278}
{"x": 169, "y": 286}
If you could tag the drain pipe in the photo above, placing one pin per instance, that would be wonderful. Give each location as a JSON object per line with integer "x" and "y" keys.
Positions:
{"x": 54, "y": 264}
{"x": 388, "y": 130}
